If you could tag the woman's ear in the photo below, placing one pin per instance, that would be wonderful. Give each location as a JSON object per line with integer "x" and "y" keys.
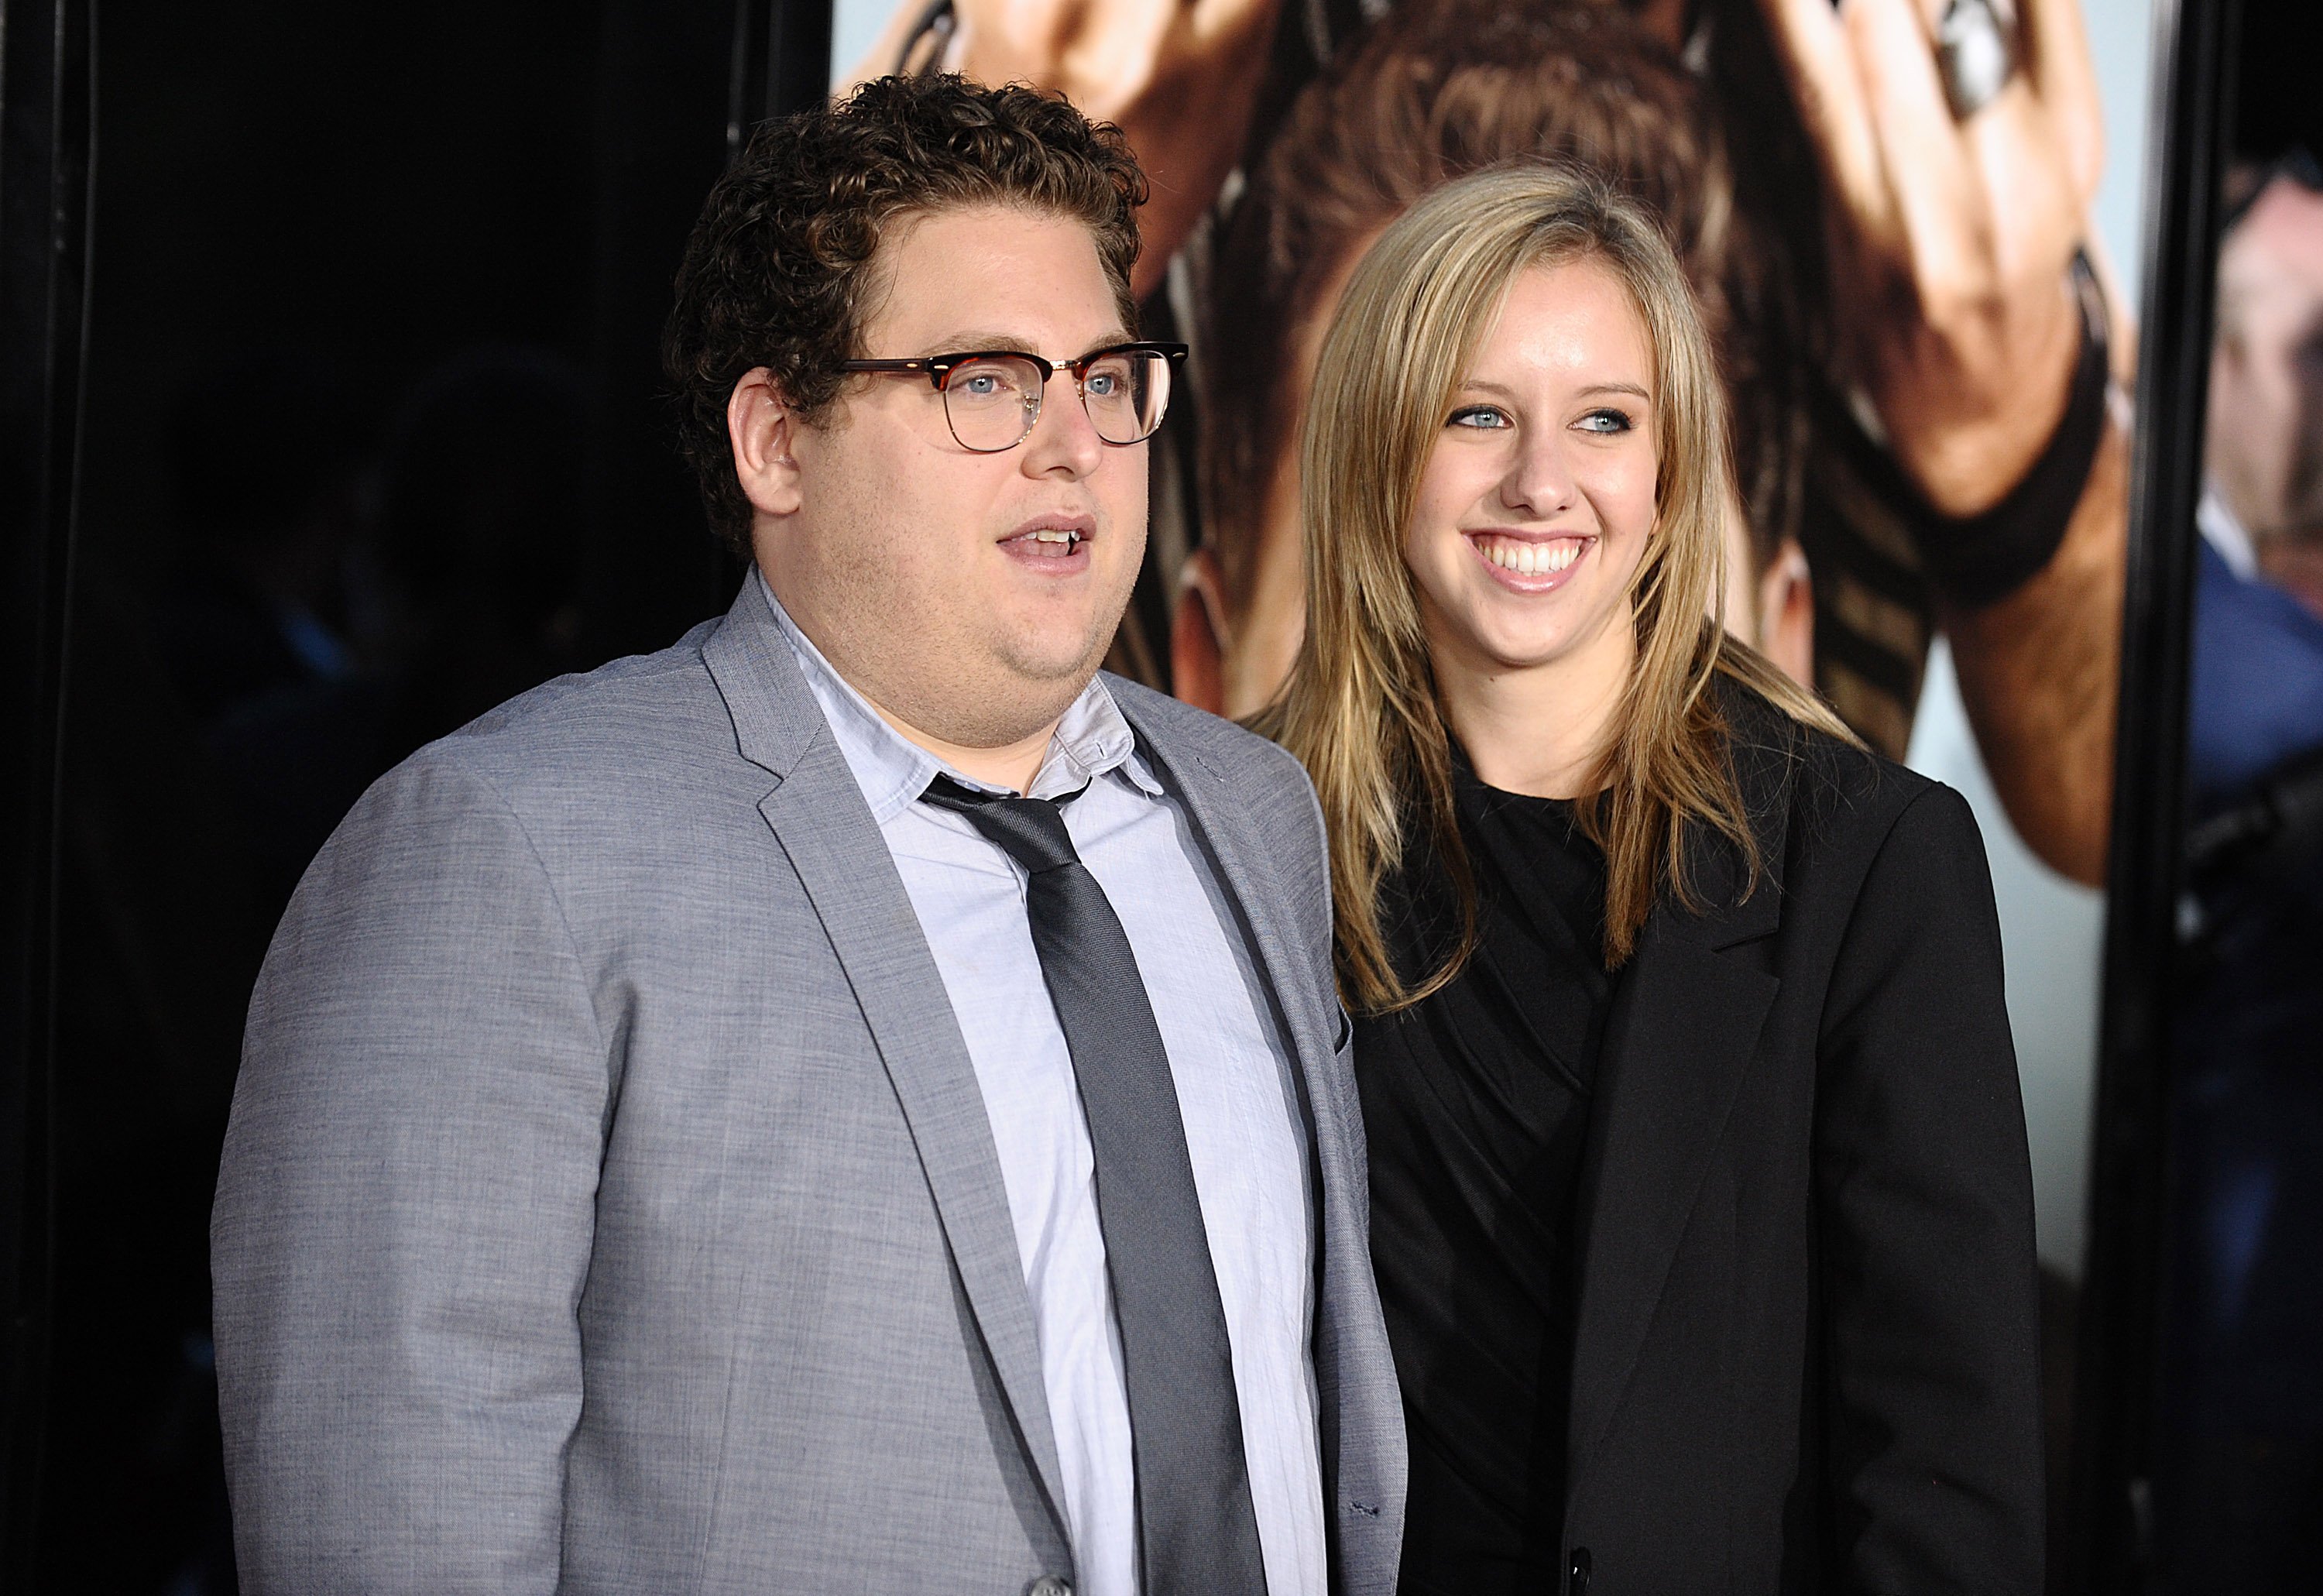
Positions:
{"x": 761, "y": 429}
{"x": 1198, "y": 634}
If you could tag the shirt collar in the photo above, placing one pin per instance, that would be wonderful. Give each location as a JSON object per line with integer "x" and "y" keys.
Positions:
{"x": 1091, "y": 740}
{"x": 2225, "y": 533}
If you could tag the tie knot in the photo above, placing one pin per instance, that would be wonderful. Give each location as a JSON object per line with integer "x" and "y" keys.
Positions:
{"x": 1030, "y": 831}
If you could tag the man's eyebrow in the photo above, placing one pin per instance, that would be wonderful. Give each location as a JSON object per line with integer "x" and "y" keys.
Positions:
{"x": 975, "y": 342}
{"x": 956, "y": 342}
{"x": 1112, "y": 340}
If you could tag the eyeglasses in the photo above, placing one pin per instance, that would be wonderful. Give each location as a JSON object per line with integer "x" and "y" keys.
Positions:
{"x": 992, "y": 397}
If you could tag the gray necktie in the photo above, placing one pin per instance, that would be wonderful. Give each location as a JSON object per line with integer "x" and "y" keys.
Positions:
{"x": 1197, "y": 1532}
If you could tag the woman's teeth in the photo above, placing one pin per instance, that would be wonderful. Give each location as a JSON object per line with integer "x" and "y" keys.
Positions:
{"x": 1529, "y": 559}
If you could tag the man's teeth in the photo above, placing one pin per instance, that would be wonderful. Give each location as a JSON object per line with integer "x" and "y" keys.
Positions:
{"x": 1067, "y": 536}
{"x": 1529, "y": 559}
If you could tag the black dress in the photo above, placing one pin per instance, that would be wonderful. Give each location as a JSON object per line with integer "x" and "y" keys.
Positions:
{"x": 1476, "y": 1101}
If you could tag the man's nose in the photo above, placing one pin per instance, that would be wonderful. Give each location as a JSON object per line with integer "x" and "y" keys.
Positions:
{"x": 1063, "y": 440}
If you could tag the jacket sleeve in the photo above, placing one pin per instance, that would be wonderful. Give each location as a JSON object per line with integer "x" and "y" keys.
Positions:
{"x": 405, "y": 1209}
{"x": 1930, "y": 1292}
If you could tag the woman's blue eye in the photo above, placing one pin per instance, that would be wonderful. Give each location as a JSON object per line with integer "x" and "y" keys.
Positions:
{"x": 1606, "y": 421}
{"x": 1483, "y": 418}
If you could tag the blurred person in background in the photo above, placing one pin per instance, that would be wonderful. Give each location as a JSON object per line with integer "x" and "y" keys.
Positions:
{"x": 1927, "y": 177}
{"x": 2240, "y": 1496}
{"x": 2261, "y": 511}
{"x": 481, "y": 484}
{"x": 335, "y": 601}
{"x": 268, "y": 509}
{"x": 261, "y": 613}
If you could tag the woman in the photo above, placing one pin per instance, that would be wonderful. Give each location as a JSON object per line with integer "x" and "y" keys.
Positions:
{"x": 1700, "y": 1197}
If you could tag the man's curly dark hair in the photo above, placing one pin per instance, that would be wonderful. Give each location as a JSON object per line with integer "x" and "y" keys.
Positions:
{"x": 779, "y": 270}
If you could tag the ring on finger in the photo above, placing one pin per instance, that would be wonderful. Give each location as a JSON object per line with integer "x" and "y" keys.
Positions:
{"x": 1974, "y": 54}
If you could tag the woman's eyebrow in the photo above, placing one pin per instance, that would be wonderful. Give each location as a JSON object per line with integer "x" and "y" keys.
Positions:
{"x": 1477, "y": 385}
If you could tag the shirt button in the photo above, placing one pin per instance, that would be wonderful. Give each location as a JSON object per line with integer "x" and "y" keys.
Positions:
{"x": 1048, "y": 1585}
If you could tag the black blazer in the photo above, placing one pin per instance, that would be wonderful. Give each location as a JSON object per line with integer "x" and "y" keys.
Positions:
{"x": 1806, "y": 1356}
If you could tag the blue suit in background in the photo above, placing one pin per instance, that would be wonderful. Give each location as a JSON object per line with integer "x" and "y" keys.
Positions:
{"x": 2256, "y": 695}
{"x": 2241, "y": 1492}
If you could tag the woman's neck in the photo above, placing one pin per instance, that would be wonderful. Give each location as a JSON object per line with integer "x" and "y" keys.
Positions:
{"x": 1541, "y": 730}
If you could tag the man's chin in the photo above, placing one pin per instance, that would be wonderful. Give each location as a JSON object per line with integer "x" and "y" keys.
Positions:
{"x": 1054, "y": 679}
{"x": 1056, "y": 651}
{"x": 1010, "y": 693}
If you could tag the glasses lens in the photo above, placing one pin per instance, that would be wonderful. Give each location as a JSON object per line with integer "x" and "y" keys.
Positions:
{"x": 991, "y": 403}
{"x": 1126, "y": 393}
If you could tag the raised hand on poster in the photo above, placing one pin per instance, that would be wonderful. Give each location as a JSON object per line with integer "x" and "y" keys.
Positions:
{"x": 1180, "y": 77}
{"x": 1950, "y": 230}
{"x": 1954, "y": 201}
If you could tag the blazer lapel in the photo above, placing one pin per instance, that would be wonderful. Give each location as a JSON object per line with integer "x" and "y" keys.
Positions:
{"x": 819, "y": 818}
{"x": 1685, "y": 1025}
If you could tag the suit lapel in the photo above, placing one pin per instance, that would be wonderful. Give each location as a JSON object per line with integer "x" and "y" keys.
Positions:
{"x": 819, "y": 818}
{"x": 1684, "y": 1027}
{"x": 1250, "y": 880}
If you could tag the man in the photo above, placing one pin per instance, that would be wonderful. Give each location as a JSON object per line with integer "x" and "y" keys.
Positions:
{"x": 2242, "y": 1444}
{"x": 2257, "y": 682}
{"x": 699, "y": 1131}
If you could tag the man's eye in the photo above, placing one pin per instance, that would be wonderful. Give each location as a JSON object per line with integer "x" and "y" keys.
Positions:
{"x": 1103, "y": 384}
{"x": 1481, "y": 417}
{"x": 978, "y": 384}
{"x": 1607, "y": 421}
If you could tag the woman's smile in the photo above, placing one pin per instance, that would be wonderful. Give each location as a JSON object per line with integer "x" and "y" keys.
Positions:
{"x": 1529, "y": 562}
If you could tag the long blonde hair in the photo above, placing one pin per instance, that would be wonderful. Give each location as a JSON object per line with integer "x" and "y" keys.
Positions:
{"x": 1360, "y": 710}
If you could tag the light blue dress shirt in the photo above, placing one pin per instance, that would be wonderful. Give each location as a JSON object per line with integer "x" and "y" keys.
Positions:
{"x": 1245, "y": 1137}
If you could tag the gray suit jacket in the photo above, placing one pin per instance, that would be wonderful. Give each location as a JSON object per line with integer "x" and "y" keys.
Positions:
{"x": 609, "y": 1204}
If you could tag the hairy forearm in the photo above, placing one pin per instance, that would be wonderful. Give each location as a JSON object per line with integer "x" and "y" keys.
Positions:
{"x": 2039, "y": 671}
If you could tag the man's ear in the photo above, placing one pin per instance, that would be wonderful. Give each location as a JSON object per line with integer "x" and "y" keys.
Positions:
{"x": 1198, "y": 634}
{"x": 1786, "y": 613}
{"x": 762, "y": 430}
